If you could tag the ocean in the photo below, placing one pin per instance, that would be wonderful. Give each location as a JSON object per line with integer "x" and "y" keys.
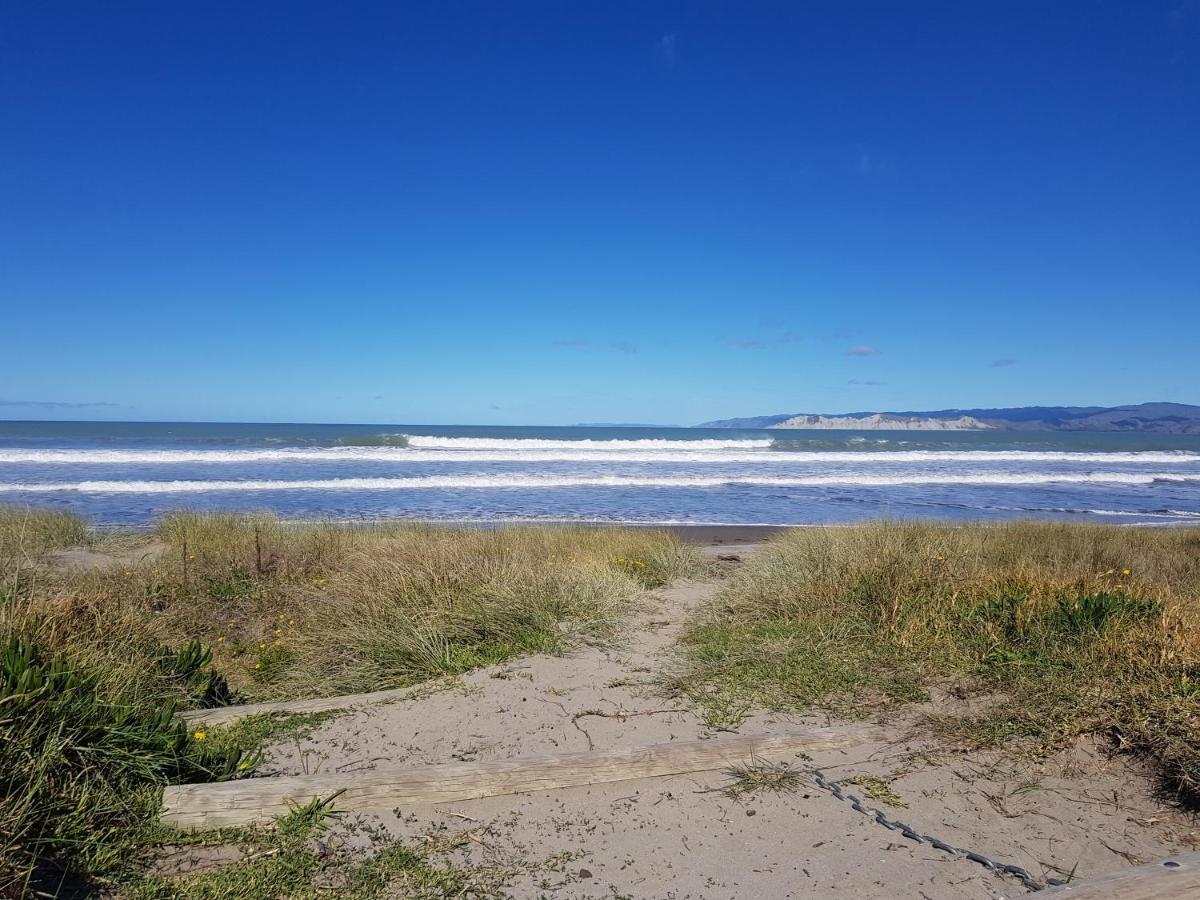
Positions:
{"x": 131, "y": 473}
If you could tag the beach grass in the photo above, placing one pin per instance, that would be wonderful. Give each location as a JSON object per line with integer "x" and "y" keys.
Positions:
{"x": 316, "y": 610}
{"x": 223, "y": 609}
{"x": 1070, "y": 629}
{"x": 286, "y": 860}
{"x": 289, "y": 860}
{"x": 26, "y": 533}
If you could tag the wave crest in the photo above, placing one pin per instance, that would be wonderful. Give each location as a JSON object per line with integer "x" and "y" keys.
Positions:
{"x": 503, "y": 482}
{"x": 677, "y": 452}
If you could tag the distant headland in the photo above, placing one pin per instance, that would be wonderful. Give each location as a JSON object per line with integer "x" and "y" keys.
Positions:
{"x": 1161, "y": 418}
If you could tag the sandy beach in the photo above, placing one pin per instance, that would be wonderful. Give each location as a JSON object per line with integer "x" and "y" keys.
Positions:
{"x": 341, "y": 658}
{"x": 688, "y": 836}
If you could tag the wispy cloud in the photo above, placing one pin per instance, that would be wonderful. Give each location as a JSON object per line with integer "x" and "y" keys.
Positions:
{"x": 668, "y": 49}
{"x": 1180, "y": 14}
{"x": 55, "y": 404}
{"x": 626, "y": 347}
{"x": 862, "y": 350}
{"x": 762, "y": 343}
{"x": 1003, "y": 363}
{"x": 859, "y": 382}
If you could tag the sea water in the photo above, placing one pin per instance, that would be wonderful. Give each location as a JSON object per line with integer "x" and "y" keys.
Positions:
{"x": 132, "y": 473}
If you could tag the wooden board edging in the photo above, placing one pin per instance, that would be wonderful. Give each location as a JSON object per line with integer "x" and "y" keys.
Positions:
{"x": 204, "y": 806}
{"x": 224, "y": 715}
{"x": 1177, "y": 878}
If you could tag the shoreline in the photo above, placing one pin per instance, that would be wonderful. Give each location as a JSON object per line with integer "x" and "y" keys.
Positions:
{"x": 702, "y": 534}
{"x": 718, "y": 535}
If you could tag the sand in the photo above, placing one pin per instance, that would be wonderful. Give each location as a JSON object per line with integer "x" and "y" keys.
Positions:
{"x": 681, "y": 836}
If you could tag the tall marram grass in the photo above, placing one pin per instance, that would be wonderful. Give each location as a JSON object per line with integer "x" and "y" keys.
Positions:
{"x": 1078, "y": 629}
{"x": 432, "y": 602}
{"x": 306, "y": 610}
{"x": 93, "y": 663}
{"x": 26, "y": 532}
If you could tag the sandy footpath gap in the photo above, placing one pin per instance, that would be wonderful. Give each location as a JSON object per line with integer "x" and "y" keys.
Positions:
{"x": 681, "y": 837}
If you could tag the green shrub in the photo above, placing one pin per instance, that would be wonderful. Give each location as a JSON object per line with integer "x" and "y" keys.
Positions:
{"x": 80, "y": 770}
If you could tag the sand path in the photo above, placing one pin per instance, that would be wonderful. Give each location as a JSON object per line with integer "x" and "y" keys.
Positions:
{"x": 680, "y": 836}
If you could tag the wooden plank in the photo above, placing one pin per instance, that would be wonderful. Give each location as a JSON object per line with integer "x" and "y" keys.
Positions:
{"x": 262, "y": 799}
{"x": 224, "y": 715}
{"x": 1177, "y": 878}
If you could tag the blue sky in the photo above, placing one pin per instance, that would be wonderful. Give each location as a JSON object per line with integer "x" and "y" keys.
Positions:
{"x": 621, "y": 211}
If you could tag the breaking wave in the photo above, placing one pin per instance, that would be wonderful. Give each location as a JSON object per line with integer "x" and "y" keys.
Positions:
{"x": 500, "y": 482}
{"x": 578, "y": 451}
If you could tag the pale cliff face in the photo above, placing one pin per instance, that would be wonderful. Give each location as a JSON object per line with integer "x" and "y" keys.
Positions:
{"x": 882, "y": 422}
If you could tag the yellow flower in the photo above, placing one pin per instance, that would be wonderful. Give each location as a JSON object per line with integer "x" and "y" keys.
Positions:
{"x": 199, "y": 735}
{"x": 221, "y": 639}
{"x": 282, "y": 617}
{"x": 278, "y": 632}
{"x": 192, "y": 556}
{"x": 1126, "y": 572}
{"x": 258, "y": 665}
{"x": 291, "y": 621}
{"x": 262, "y": 646}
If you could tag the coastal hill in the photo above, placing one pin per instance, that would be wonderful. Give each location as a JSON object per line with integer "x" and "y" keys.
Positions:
{"x": 1163, "y": 418}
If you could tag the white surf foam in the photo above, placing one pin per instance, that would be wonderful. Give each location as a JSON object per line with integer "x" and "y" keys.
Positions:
{"x": 475, "y": 482}
{"x": 673, "y": 452}
{"x": 466, "y": 443}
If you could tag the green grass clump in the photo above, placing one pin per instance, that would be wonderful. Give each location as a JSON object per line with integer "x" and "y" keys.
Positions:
{"x": 247, "y": 735}
{"x": 758, "y": 777}
{"x": 1080, "y": 629}
{"x": 81, "y": 768}
{"x": 283, "y": 861}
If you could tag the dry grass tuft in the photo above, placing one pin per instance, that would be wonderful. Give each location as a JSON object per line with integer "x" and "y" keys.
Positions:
{"x": 1086, "y": 629}
{"x": 760, "y": 777}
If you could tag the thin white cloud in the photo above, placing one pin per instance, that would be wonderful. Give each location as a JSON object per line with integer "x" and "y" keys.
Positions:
{"x": 668, "y": 48}
{"x": 55, "y": 404}
{"x": 862, "y": 350}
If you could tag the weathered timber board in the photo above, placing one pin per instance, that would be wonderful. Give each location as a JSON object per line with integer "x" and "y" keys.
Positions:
{"x": 262, "y": 799}
{"x": 223, "y": 715}
{"x": 1177, "y": 878}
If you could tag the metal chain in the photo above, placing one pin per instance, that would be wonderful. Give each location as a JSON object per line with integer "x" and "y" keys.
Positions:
{"x": 896, "y": 825}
